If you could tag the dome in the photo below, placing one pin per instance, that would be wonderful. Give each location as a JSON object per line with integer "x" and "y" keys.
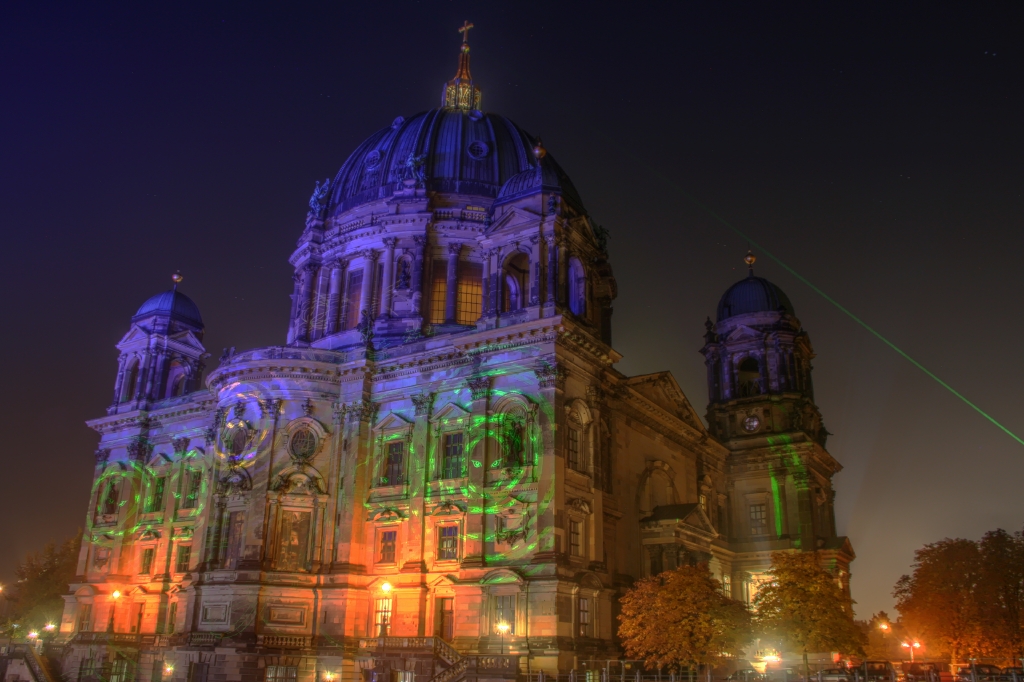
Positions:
{"x": 174, "y": 304}
{"x": 547, "y": 176}
{"x": 752, "y": 295}
{"x": 463, "y": 151}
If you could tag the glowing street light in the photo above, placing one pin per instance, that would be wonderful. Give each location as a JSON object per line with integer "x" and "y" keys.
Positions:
{"x": 49, "y": 627}
{"x": 385, "y": 588}
{"x": 33, "y": 634}
{"x": 911, "y": 645}
{"x": 503, "y": 627}
{"x": 329, "y": 676}
{"x": 168, "y": 669}
{"x": 116, "y": 594}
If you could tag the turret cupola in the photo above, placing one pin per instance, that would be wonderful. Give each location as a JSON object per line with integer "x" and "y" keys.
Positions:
{"x": 460, "y": 92}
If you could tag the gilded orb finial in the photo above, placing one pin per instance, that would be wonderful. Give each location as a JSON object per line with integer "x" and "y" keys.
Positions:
{"x": 177, "y": 278}
{"x": 538, "y": 150}
{"x": 750, "y": 259}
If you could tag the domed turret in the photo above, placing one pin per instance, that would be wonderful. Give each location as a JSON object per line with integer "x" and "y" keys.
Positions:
{"x": 173, "y": 305}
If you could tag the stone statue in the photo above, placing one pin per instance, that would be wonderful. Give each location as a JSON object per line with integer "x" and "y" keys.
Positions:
{"x": 415, "y": 171}
{"x": 318, "y": 202}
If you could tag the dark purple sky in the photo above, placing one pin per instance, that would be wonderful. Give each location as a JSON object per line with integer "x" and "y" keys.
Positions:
{"x": 876, "y": 149}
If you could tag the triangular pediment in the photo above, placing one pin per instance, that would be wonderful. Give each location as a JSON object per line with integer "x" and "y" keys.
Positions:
{"x": 743, "y": 332}
{"x": 135, "y": 335}
{"x": 449, "y": 412}
{"x": 392, "y": 420}
{"x": 689, "y": 517}
{"x": 662, "y": 389}
{"x": 513, "y": 218}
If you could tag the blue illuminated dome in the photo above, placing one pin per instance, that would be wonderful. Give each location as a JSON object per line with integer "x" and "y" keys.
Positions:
{"x": 173, "y": 304}
{"x": 753, "y": 295}
{"x": 464, "y": 152}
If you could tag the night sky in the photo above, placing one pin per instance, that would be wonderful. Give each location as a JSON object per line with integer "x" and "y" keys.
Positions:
{"x": 875, "y": 149}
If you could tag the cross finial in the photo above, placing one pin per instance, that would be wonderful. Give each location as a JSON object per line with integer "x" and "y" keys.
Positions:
{"x": 464, "y": 30}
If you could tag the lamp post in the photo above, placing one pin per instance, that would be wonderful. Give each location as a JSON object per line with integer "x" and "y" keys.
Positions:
{"x": 911, "y": 645}
{"x": 885, "y": 628}
{"x": 503, "y": 627}
{"x": 115, "y": 595}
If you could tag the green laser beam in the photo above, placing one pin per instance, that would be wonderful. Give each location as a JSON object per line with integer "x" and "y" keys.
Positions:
{"x": 853, "y": 317}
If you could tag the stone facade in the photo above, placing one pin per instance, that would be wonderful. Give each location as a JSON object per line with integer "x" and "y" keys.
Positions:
{"x": 441, "y": 472}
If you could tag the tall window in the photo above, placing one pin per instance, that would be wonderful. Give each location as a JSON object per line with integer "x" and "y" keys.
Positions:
{"x": 727, "y": 585}
{"x": 448, "y": 543}
{"x": 378, "y": 283}
{"x": 195, "y": 483}
{"x": 182, "y": 560}
{"x": 155, "y": 502}
{"x": 759, "y": 519}
{"x": 85, "y": 618}
{"x": 110, "y": 499}
{"x": 703, "y": 500}
{"x": 583, "y": 616}
{"x": 236, "y": 536}
{"x": 451, "y": 465}
{"x": 132, "y": 381}
{"x": 388, "y": 540}
{"x": 505, "y": 611}
{"x": 394, "y": 466}
{"x": 382, "y": 616}
{"x": 577, "y": 287}
{"x": 575, "y": 538}
{"x": 438, "y": 291}
{"x": 353, "y": 293}
{"x": 748, "y": 379}
{"x": 572, "y": 445}
{"x": 470, "y": 293}
{"x": 515, "y": 283}
{"x": 282, "y": 673}
{"x": 146, "y": 561}
{"x": 172, "y": 618}
{"x": 291, "y": 555}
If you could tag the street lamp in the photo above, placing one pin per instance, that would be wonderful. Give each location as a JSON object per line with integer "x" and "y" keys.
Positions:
{"x": 911, "y": 645}
{"x": 503, "y": 627}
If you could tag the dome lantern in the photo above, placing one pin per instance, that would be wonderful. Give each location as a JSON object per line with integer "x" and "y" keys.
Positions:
{"x": 459, "y": 92}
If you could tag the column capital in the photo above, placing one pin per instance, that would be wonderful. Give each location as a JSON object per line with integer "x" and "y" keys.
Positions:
{"x": 370, "y": 254}
{"x": 454, "y": 249}
{"x": 390, "y": 242}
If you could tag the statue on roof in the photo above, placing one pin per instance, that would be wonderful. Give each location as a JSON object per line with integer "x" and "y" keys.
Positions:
{"x": 318, "y": 202}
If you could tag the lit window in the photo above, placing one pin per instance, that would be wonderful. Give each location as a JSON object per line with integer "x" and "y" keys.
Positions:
{"x": 155, "y": 502}
{"x": 576, "y": 538}
{"x": 703, "y": 499}
{"x": 505, "y": 612}
{"x": 184, "y": 555}
{"x": 146, "y": 564}
{"x": 573, "y": 454}
{"x": 388, "y": 540}
{"x": 727, "y": 585}
{"x": 382, "y": 616}
{"x": 451, "y": 465}
{"x": 470, "y": 293}
{"x": 353, "y": 294}
{"x": 759, "y": 519}
{"x": 583, "y": 616}
{"x": 438, "y": 292}
{"x": 448, "y": 543}
{"x": 195, "y": 482}
{"x": 394, "y": 466}
{"x": 282, "y": 673}
{"x": 85, "y": 618}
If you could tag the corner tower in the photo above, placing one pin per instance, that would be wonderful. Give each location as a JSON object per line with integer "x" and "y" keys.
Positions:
{"x": 761, "y": 407}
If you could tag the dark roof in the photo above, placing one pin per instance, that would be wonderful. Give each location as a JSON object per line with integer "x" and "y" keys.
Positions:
{"x": 752, "y": 295}
{"x": 469, "y": 152}
{"x": 545, "y": 176}
{"x": 671, "y": 512}
{"x": 174, "y": 304}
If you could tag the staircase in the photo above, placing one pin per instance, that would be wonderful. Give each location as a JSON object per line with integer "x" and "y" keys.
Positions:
{"x": 38, "y": 667}
{"x": 407, "y": 659}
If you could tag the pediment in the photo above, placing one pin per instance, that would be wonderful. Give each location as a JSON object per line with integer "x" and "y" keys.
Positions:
{"x": 449, "y": 412}
{"x": 513, "y": 218}
{"x": 744, "y": 332}
{"x": 662, "y": 389}
{"x": 135, "y": 335}
{"x": 392, "y": 420}
{"x": 689, "y": 517}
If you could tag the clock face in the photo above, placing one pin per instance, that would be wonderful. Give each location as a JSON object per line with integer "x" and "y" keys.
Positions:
{"x": 751, "y": 423}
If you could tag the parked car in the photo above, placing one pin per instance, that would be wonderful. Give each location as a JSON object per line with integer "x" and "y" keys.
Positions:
{"x": 746, "y": 675}
{"x": 922, "y": 672}
{"x": 832, "y": 675}
{"x": 983, "y": 671}
{"x": 874, "y": 671}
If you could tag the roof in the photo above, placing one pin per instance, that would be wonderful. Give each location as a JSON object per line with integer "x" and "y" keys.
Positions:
{"x": 753, "y": 295}
{"x": 464, "y": 151}
{"x": 174, "y": 304}
{"x": 545, "y": 176}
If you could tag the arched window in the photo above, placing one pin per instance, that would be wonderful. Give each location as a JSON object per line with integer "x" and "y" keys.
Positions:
{"x": 130, "y": 382}
{"x": 512, "y": 435}
{"x": 577, "y": 287}
{"x": 176, "y": 380}
{"x": 515, "y": 281}
{"x": 748, "y": 379}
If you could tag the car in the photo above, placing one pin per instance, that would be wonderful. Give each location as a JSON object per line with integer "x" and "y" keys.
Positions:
{"x": 922, "y": 672}
{"x": 1013, "y": 674}
{"x": 746, "y": 675}
{"x": 874, "y": 671}
{"x": 832, "y": 675}
{"x": 982, "y": 673}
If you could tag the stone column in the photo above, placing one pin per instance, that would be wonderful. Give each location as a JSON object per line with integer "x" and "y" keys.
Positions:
{"x": 497, "y": 280}
{"x": 119, "y": 382}
{"x": 318, "y": 323}
{"x": 552, "y": 269}
{"x": 452, "y": 292}
{"x": 805, "y": 509}
{"x": 563, "y": 271}
{"x": 156, "y": 387}
{"x": 366, "y": 295}
{"x": 296, "y": 290}
{"x": 727, "y": 387}
{"x": 534, "y": 295}
{"x": 485, "y": 282}
{"x": 417, "y": 272}
{"x": 142, "y": 377}
{"x": 334, "y": 296}
{"x": 388, "y": 286}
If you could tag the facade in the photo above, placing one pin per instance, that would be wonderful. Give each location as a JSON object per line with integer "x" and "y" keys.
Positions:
{"x": 440, "y": 473}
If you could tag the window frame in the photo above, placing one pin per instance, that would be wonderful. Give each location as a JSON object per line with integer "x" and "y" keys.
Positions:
{"x": 387, "y": 537}
{"x": 183, "y": 550}
{"x": 583, "y": 616}
{"x": 444, "y": 468}
{"x": 146, "y": 558}
{"x": 576, "y": 532}
{"x": 157, "y": 495}
{"x": 445, "y": 554}
{"x": 762, "y": 518}
{"x": 499, "y": 602}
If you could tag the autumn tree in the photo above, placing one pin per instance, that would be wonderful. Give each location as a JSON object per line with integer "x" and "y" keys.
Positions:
{"x": 1001, "y": 590}
{"x": 939, "y": 599}
{"x": 43, "y": 578}
{"x": 883, "y": 636}
{"x": 803, "y": 608}
{"x": 681, "y": 619}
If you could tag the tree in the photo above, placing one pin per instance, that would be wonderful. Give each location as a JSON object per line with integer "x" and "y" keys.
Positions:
{"x": 882, "y": 642}
{"x": 940, "y": 598}
{"x": 680, "y": 619}
{"x": 805, "y": 609}
{"x": 1001, "y": 590}
{"x": 43, "y": 578}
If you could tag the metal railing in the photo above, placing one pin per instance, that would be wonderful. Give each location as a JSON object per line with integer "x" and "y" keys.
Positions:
{"x": 284, "y": 641}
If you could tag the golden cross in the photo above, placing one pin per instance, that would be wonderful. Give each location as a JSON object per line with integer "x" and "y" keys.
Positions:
{"x": 465, "y": 31}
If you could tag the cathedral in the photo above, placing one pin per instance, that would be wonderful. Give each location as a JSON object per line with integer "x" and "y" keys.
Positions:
{"x": 439, "y": 474}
